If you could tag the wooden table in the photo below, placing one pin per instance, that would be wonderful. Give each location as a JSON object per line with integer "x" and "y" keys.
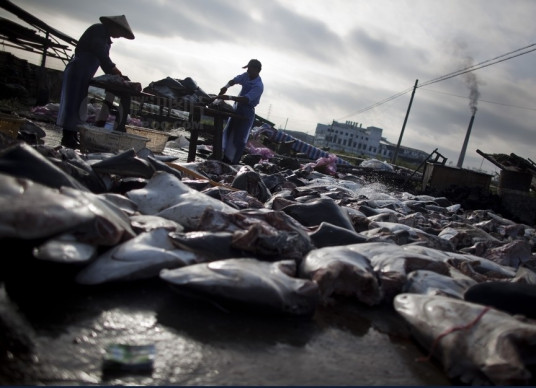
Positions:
{"x": 196, "y": 112}
{"x": 125, "y": 95}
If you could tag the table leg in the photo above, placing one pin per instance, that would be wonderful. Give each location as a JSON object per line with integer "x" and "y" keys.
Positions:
{"x": 194, "y": 121}
{"x": 106, "y": 108}
{"x": 124, "y": 110}
{"x": 218, "y": 134}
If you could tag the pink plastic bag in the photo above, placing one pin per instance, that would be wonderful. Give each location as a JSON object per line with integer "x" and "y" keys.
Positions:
{"x": 327, "y": 165}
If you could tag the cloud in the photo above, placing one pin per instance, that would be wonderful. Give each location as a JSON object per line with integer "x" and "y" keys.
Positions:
{"x": 325, "y": 61}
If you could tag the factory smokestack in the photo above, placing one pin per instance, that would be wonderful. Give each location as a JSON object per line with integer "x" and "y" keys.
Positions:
{"x": 472, "y": 83}
{"x": 464, "y": 148}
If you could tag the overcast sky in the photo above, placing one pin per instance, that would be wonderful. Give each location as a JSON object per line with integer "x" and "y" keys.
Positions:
{"x": 331, "y": 60}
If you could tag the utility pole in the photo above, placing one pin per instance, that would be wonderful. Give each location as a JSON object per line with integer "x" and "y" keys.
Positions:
{"x": 395, "y": 156}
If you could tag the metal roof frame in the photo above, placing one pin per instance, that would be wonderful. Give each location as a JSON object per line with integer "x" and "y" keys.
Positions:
{"x": 52, "y": 44}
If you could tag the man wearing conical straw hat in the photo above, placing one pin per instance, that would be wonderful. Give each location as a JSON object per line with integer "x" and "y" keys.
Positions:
{"x": 92, "y": 51}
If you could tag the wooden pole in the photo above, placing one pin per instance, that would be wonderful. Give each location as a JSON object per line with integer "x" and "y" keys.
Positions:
{"x": 395, "y": 156}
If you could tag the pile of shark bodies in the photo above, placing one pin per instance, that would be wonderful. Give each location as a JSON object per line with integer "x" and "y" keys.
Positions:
{"x": 280, "y": 241}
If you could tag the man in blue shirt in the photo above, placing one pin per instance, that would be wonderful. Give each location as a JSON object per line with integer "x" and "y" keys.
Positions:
{"x": 236, "y": 132}
{"x": 92, "y": 51}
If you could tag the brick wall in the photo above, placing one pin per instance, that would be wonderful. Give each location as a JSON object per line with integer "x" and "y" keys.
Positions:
{"x": 21, "y": 79}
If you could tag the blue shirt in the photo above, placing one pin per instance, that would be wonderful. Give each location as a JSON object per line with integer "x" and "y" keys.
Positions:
{"x": 251, "y": 88}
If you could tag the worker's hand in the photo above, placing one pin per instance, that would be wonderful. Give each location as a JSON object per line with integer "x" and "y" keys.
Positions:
{"x": 116, "y": 71}
{"x": 222, "y": 91}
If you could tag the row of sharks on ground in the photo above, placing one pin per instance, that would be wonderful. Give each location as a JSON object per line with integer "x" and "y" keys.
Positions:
{"x": 280, "y": 241}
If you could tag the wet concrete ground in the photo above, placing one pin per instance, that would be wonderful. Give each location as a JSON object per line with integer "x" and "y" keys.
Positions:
{"x": 197, "y": 343}
{"x": 56, "y": 334}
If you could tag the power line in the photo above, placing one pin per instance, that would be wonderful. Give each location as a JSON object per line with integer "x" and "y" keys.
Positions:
{"x": 378, "y": 103}
{"x": 480, "y": 65}
{"x": 486, "y": 63}
{"x": 480, "y": 100}
{"x": 470, "y": 68}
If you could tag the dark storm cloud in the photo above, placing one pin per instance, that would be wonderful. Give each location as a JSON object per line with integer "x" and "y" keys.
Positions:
{"x": 504, "y": 125}
{"x": 283, "y": 29}
{"x": 202, "y": 20}
{"x": 276, "y": 27}
{"x": 198, "y": 21}
{"x": 435, "y": 115}
{"x": 213, "y": 21}
{"x": 368, "y": 44}
{"x": 388, "y": 56}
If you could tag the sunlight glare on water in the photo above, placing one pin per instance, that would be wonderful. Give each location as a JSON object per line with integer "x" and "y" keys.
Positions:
{"x": 118, "y": 319}
{"x": 375, "y": 191}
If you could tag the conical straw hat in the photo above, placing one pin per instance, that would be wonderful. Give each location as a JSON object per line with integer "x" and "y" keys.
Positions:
{"x": 118, "y": 21}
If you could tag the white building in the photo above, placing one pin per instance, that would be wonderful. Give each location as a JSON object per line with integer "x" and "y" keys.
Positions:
{"x": 350, "y": 137}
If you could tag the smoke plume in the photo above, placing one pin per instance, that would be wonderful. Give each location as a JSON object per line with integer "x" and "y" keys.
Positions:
{"x": 472, "y": 83}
